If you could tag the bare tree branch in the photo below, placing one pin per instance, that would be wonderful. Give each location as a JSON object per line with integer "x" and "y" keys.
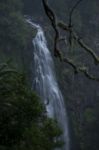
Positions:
{"x": 68, "y": 28}
{"x": 82, "y": 69}
{"x": 80, "y": 42}
{"x": 70, "y": 19}
{"x": 71, "y": 63}
{"x": 52, "y": 18}
{"x": 88, "y": 75}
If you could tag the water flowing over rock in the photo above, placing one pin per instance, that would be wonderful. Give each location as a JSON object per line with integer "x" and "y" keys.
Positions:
{"x": 45, "y": 83}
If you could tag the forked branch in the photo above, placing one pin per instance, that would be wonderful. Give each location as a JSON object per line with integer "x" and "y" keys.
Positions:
{"x": 68, "y": 28}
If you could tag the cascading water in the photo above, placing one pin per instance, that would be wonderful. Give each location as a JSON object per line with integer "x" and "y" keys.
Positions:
{"x": 45, "y": 83}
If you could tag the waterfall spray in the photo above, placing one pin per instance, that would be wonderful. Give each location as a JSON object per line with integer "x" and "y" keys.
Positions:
{"x": 45, "y": 83}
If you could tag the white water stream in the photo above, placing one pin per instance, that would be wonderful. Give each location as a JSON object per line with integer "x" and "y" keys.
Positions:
{"x": 46, "y": 85}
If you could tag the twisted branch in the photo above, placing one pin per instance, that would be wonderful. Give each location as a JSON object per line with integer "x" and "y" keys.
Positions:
{"x": 68, "y": 28}
{"x": 52, "y": 18}
{"x": 80, "y": 42}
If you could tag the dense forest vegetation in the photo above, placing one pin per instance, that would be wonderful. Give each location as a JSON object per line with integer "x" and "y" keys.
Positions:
{"x": 23, "y": 121}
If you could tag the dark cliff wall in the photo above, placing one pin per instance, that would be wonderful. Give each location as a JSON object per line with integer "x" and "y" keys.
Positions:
{"x": 81, "y": 94}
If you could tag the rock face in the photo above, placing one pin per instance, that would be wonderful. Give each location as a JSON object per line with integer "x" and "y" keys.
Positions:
{"x": 81, "y": 94}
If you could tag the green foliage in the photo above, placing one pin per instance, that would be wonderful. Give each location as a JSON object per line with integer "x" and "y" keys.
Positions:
{"x": 23, "y": 121}
{"x": 42, "y": 136}
{"x": 18, "y": 107}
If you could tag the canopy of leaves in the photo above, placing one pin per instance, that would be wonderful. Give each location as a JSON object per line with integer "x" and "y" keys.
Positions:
{"x": 23, "y": 121}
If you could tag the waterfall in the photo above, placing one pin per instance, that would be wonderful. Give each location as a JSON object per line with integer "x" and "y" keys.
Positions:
{"x": 45, "y": 83}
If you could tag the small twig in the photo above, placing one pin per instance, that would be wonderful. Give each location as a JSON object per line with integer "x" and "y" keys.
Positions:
{"x": 80, "y": 69}
{"x": 85, "y": 47}
{"x": 70, "y": 20}
{"x": 71, "y": 63}
{"x": 88, "y": 75}
{"x": 63, "y": 26}
{"x": 72, "y": 11}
